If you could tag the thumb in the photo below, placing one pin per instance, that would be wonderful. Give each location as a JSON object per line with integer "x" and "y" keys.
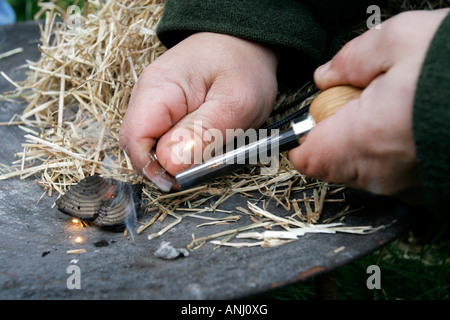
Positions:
{"x": 148, "y": 117}
{"x": 202, "y": 134}
{"x": 184, "y": 144}
{"x": 328, "y": 149}
{"x": 352, "y": 65}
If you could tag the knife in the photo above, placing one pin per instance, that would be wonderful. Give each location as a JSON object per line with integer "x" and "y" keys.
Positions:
{"x": 324, "y": 105}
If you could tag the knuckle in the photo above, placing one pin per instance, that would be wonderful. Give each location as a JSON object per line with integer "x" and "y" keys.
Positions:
{"x": 343, "y": 63}
{"x": 344, "y": 56}
{"x": 311, "y": 168}
{"x": 152, "y": 74}
{"x": 402, "y": 31}
{"x": 158, "y": 73}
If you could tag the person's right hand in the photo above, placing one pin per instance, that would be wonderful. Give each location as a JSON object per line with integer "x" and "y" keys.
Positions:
{"x": 369, "y": 143}
{"x": 222, "y": 81}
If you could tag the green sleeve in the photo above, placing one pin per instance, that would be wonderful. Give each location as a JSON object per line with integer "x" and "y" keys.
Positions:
{"x": 301, "y": 31}
{"x": 431, "y": 122}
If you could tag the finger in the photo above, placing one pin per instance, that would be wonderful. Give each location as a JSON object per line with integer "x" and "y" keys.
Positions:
{"x": 352, "y": 65}
{"x": 327, "y": 151}
{"x": 204, "y": 132}
{"x": 367, "y": 144}
{"x": 151, "y": 112}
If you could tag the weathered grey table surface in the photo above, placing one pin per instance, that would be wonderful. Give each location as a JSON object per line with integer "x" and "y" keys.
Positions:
{"x": 34, "y": 237}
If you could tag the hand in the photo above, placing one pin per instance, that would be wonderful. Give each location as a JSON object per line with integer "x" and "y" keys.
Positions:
{"x": 223, "y": 81}
{"x": 369, "y": 143}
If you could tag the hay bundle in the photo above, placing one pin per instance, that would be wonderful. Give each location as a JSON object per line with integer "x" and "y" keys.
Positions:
{"x": 77, "y": 93}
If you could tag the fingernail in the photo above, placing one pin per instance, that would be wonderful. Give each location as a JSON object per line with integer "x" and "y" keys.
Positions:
{"x": 323, "y": 69}
{"x": 155, "y": 173}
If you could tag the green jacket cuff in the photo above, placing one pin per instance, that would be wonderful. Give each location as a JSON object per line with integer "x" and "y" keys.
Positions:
{"x": 285, "y": 25}
{"x": 431, "y": 122}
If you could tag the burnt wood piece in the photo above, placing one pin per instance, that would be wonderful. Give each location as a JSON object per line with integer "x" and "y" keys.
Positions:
{"x": 104, "y": 201}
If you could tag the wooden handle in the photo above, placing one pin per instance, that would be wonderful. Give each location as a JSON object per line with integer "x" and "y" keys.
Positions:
{"x": 331, "y": 100}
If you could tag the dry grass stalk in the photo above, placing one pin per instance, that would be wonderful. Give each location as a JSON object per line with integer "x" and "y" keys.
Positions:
{"x": 10, "y": 53}
{"x": 76, "y": 251}
{"x": 293, "y": 229}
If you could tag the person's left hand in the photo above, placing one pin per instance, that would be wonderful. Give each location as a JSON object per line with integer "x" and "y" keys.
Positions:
{"x": 210, "y": 81}
{"x": 369, "y": 143}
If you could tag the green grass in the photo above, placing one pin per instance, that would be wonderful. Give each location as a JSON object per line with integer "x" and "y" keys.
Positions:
{"x": 415, "y": 267}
